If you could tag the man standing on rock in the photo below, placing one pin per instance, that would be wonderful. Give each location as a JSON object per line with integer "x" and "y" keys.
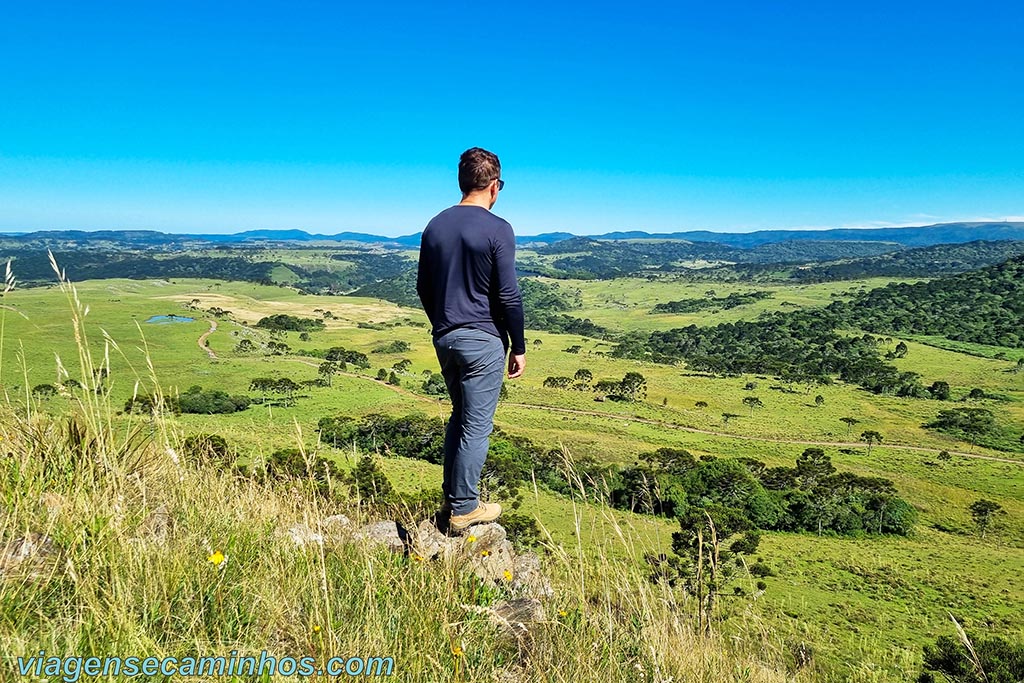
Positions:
{"x": 467, "y": 285}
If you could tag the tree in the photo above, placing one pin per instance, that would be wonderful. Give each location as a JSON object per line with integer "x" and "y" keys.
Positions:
{"x": 971, "y": 422}
{"x": 393, "y": 379}
{"x": 871, "y": 437}
{"x": 327, "y": 370}
{"x": 634, "y": 386}
{"x": 728, "y": 416}
{"x": 982, "y": 512}
{"x": 208, "y": 448}
{"x": 813, "y": 467}
{"x": 369, "y": 483}
{"x": 537, "y": 343}
{"x": 583, "y": 375}
{"x": 382, "y": 374}
{"x": 557, "y": 382}
{"x": 435, "y": 385}
{"x": 819, "y": 400}
{"x": 850, "y": 422}
{"x": 245, "y": 346}
{"x": 1020, "y": 365}
{"x": 901, "y": 350}
{"x": 752, "y": 402}
{"x": 701, "y": 404}
{"x": 986, "y": 660}
{"x": 44, "y": 390}
{"x": 711, "y": 542}
{"x": 939, "y": 390}
{"x": 976, "y": 394}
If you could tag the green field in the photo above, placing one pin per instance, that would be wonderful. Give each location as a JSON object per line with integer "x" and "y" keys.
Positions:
{"x": 866, "y": 604}
{"x": 626, "y": 303}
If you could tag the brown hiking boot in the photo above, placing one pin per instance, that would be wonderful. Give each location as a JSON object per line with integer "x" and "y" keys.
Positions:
{"x": 484, "y": 512}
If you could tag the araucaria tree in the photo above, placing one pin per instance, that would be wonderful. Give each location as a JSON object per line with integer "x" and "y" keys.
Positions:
{"x": 871, "y": 437}
{"x": 982, "y": 512}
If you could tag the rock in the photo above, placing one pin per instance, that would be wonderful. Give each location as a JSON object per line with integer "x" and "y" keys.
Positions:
{"x": 527, "y": 578}
{"x": 34, "y": 555}
{"x": 516, "y": 617}
{"x": 387, "y": 533}
{"x": 336, "y": 529}
{"x": 335, "y": 524}
{"x": 429, "y": 543}
{"x": 489, "y": 552}
{"x": 302, "y": 536}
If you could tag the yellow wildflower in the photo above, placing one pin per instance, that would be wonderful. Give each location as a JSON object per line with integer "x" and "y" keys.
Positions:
{"x": 471, "y": 539}
{"x": 418, "y": 558}
{"x": 562, "y": 613}
{"x": 217, "y": 559}
{"x": 508, "y": 575}
{"x": 485, "y": 553}
{"x": 316, "y": 628}
{"x": 457, "y": 651}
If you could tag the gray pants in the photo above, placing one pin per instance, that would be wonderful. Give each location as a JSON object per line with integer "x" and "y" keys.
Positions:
{"x": 473, "y": 366}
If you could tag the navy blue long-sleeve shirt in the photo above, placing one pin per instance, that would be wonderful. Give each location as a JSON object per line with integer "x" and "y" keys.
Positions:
{"x": 467, "y": 275}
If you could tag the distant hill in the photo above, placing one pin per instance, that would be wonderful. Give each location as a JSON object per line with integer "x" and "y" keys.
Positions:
{"x": 943, "y": 233}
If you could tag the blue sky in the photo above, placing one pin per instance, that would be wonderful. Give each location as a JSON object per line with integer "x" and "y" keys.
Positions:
{"x": 730, "y": 116}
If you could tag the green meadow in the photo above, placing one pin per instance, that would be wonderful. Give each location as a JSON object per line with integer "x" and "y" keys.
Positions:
{"x": 864, "y": 605}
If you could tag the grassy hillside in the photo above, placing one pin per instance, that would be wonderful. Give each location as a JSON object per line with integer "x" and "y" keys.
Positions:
{"x": 865, "y": 605}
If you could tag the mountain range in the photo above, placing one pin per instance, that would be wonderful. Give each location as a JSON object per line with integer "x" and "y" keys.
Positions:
{"x": 916, "y": 236}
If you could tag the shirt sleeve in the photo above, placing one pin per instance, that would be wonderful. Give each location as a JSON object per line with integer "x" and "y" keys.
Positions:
{"x": 508, "y": 288}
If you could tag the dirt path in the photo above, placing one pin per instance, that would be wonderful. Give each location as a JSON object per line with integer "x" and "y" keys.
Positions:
{"x": 683, "y": 428}
{"x": 202, "y": 339}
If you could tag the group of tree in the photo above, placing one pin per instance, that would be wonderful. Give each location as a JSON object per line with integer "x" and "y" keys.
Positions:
{"x": 983, "y": 306}
{"x": 801, "y": 346}
{"x": 931, "y": 261}
{"x": 194, "y": 400}
{"x": 746, "y": 494}
{"x": 390, "y": 377}
{"x": 340, "y": 355}
{"x": 702, "y": 304}
{"x": 290, "y": 323}
{"x": 396, "y": 346}
{"x": 978, "y": 426}
{"x": 632, "y": 387}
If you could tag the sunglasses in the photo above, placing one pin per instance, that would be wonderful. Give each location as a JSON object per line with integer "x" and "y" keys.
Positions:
{"x": 501, "y": 184}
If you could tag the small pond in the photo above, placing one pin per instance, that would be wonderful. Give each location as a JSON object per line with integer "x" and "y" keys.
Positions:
{"x": 169, "y": 319}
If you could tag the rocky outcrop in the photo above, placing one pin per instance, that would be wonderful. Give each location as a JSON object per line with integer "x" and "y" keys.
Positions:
{"x": 483, "y": 550}
{"x": 31, "y": 556}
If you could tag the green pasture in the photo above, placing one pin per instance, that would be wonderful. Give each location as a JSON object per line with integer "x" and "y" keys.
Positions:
{"x": 625, "y": 304}
{"x": 866, "y": 604}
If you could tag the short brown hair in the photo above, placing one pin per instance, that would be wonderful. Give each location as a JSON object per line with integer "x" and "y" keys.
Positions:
{"x": 477, "y": 168}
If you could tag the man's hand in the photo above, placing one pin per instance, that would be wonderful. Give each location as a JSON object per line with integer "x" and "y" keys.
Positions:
{"x": 516, "y": 365}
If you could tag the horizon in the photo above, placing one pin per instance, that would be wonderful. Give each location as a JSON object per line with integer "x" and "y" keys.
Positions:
{"x": 731, "y": 119}
{"x": 1011, "y": 220}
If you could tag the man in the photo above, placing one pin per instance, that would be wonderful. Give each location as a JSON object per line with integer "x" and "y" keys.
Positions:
{"x": 467, "y": 285}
